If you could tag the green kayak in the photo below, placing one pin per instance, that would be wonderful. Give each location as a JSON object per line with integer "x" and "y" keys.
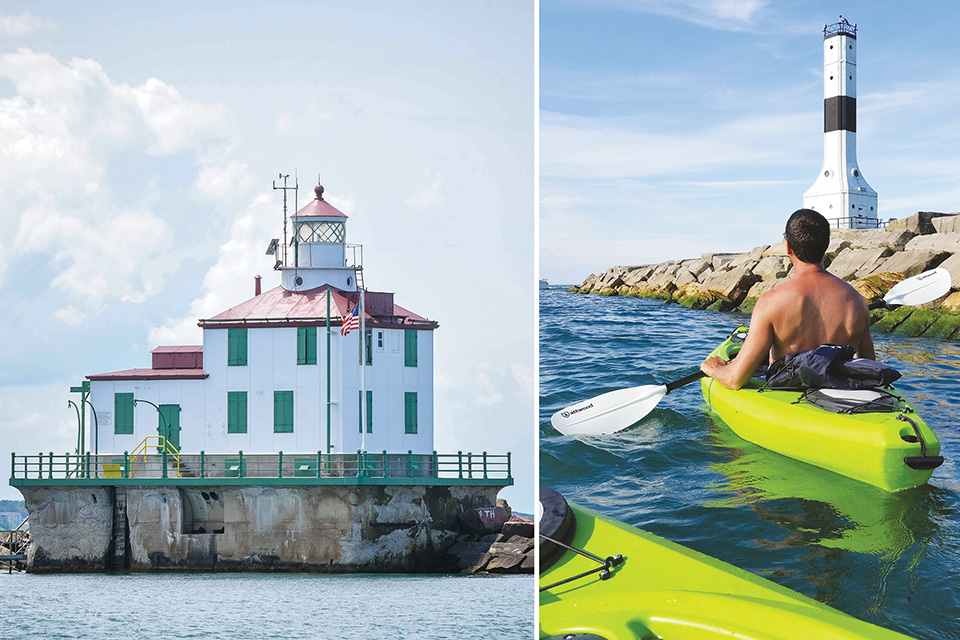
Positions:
{"x": 873, "y": 436}
{"x": 638, "y": 586}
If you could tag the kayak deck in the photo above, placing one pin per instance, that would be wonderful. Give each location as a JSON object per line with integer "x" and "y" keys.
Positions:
{"x": 871, "y": 447}
{"x": 664, "y": 590}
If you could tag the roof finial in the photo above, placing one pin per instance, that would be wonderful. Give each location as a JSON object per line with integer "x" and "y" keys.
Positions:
{"x": 319, "y": 188}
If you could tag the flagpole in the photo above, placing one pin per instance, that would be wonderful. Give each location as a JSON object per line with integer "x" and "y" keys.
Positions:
{"x": 363, "y": 367}
{"x": 328, "y": 374}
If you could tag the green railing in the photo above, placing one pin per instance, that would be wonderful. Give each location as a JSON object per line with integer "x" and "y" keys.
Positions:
{"x": 458, "y": 466}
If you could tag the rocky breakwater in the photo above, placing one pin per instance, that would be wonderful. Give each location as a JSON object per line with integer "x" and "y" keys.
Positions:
{"x": 872, "y": 260}
{"x": 492, "y": 541}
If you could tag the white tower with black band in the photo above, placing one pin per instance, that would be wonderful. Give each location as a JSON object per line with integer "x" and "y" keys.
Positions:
{"x": 840, "y": 193}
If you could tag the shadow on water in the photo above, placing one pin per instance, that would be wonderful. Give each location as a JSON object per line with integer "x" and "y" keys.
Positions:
{"x": 890, "y": 558}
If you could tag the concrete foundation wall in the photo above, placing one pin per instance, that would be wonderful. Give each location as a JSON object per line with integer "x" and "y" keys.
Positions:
{"x": 246, "y": 528}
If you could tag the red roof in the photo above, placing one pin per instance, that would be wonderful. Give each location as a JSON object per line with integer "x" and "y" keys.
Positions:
{"x": 319, "y": 207}
{"x": 151, "y": 374}
{"x": 278, "y": 307}
{"x": 178, "y": 357}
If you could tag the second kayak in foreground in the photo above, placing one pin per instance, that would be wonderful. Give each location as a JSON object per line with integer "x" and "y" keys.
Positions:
{"x": 872, "y": 436}
{"x": 600, "y": 578}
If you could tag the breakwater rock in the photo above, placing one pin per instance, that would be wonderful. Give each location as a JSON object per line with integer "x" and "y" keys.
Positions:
{"x": 492, "y": 541}
{"x": 872, "y": 260}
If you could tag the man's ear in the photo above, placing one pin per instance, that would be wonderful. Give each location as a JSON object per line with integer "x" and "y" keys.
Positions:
{"x": 789, "y": 250}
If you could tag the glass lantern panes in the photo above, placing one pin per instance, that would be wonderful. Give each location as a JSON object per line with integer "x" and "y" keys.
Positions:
{"x": 320, "y": 231}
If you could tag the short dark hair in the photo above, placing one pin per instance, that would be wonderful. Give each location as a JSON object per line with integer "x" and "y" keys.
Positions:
{"x": 808, "y": 234}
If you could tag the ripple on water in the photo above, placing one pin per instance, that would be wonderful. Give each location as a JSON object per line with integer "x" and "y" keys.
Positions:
{"x": 891, "y": 559}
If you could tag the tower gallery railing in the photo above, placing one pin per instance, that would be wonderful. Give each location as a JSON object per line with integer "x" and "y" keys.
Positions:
{"x": 49, "y": 468}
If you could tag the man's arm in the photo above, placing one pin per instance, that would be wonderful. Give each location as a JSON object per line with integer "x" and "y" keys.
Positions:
{"x": 755, "y": 350}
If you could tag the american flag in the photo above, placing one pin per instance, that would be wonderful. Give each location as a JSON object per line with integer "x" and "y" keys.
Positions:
{"x": 352, "y": 321}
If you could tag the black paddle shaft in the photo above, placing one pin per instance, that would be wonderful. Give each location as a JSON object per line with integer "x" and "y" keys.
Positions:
{"x": 676, "y": 384}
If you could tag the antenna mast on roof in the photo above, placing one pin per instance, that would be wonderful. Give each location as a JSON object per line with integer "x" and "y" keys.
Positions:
{"x": 284, "y": 188}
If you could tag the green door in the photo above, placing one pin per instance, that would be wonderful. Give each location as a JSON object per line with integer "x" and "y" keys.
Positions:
{"x": 169, "y": 424}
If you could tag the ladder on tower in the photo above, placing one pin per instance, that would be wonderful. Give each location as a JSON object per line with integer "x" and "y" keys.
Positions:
{"x": 118, "y": 559}
{"x": 359, "y": 272}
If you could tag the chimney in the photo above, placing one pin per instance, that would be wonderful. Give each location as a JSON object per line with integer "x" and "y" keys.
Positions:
{"x": 256, "y": 285}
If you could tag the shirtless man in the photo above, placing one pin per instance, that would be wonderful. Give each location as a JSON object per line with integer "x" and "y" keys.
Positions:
{"x": 812, "y": 308}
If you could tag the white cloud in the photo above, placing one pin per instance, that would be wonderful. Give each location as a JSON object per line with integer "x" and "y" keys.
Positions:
{"x": 732, "y": 15}
{"x": 64, "y": 138}
{"x": 70, "y": 316}
{"x": 224, "y": 183}
{"x": 176, "y": 123}
{"x": 123, "y": 257}
{"x": 430, "y": 194}
{"x": 23, "y": 25}
{"x": 230, "y": 280}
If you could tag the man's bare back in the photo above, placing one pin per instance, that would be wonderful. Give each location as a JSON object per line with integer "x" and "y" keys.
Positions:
{"x": 812, "y": 308}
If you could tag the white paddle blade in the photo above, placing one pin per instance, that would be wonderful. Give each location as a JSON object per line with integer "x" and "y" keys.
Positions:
{"x": 919, "y": 289}
{"x": 608, "y": 413}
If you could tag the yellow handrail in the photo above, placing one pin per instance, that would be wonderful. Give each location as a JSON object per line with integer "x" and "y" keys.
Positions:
{"x": 162, "y": 445}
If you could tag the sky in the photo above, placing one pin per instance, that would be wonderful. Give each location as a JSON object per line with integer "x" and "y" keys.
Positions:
{"x": 673, "y": 128}
{"x": 138, "y": 146}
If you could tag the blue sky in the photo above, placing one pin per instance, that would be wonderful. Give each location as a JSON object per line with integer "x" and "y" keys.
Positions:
{"x": 138, "y": 143}
{"x": 670, "y": 128}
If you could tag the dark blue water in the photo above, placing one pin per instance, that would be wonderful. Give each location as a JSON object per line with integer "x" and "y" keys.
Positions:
{"x": 890, "y": 559}
{"x": 282, "y": 606}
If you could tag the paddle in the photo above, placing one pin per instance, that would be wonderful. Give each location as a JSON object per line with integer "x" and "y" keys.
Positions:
{"x": 616, "y": 410}
{"x": 915, "y": 290}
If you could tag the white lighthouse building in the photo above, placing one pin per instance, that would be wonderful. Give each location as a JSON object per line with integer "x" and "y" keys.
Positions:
{"x": 840, "y": 193}
{"x": 276, "y": 372}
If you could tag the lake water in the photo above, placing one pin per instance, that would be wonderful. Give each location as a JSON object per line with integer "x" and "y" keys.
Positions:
{"x": 245, "y": 606}
{"x": 890, "y": 559}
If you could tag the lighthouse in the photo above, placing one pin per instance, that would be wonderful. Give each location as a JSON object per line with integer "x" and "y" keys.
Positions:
{"x": 840, "y": 192}
{"x": 318, "y": 363}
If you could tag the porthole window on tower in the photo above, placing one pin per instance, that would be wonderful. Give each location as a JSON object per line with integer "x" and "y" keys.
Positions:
{"x": 320, "y": 232}
{"x": 826, "y": 174}
{"x": 856, "y": 174}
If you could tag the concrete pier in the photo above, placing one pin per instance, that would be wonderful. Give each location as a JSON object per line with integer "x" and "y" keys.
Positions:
{"x": 322, "y": 528}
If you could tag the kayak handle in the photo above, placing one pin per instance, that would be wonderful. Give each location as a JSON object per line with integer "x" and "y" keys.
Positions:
{"x": 923, "y": 463}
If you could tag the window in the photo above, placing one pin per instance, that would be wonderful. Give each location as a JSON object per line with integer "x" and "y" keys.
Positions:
{"x": 380, "y": 340}
{"x": 410, "y": 412}
{"x": 409, "y": 348}
{"x": 123, "y": 412}
{"x": 283, "y": 411}
{"x": 236, "y": 411}
{"x": 237, "y": 347}
{"x": 368, "y": 345}
{"x": 306, "y": 345}
{"x": 369, "y": 412}
{"x": 320, "y": 231}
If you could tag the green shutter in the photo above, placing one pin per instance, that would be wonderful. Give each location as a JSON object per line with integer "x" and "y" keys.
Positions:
{"x": 236, "y": 412}
{"x": 237, "y": 347}
{"x": 123, "y": 413}
{"x": 283, "y": 411}
{"x": 306, "y": 345}
{"x": 369, "y": 411}
{"x": 410, "y": 412}
{"x": 409, "y": 348}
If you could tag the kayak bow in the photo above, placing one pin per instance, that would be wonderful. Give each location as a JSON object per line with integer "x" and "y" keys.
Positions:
{"x": 659, "y": 589}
